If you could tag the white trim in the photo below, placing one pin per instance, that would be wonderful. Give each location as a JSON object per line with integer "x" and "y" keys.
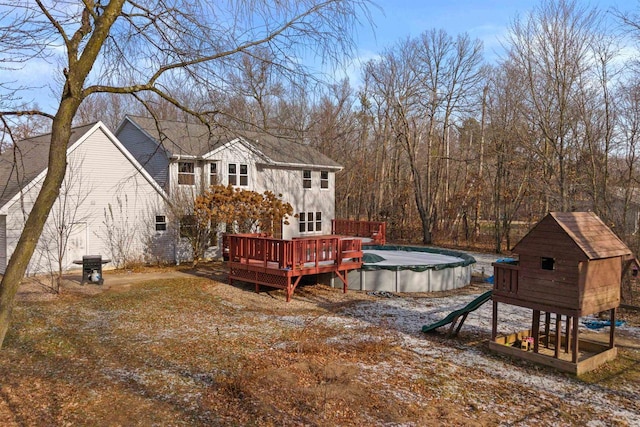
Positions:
{"x": 99, "y": 125}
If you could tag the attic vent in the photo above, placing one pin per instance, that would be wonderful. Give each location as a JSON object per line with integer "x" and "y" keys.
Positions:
{"x": 547, "y": 263}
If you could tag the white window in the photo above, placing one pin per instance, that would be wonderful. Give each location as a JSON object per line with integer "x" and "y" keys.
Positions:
{"x": 306, "y": 179}
{"x": 324, "y": 179}
{"x": 161, "y": 223}
{"x": 186, "y": 173}
{"x": 242, "y": 178}
{"x": 309, "y": 222}
{"x": 213, "y": 173}
{"x": 244, "y": 175}
{"x": 233, "y": 174}
{"x": 302, "y": 222}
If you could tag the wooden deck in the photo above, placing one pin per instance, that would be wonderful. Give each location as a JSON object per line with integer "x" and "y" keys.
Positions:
{"x": 282, "y": 263}
{"x": 374, "y": 230}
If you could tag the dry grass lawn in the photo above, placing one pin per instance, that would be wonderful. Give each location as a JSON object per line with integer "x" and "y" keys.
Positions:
{"x": 196, "y": 351}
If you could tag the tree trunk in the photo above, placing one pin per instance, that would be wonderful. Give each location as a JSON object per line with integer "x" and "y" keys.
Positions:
{"x": 60, "y": 134}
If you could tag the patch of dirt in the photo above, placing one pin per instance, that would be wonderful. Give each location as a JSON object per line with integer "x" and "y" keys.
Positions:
{"x": 181, "y": 347}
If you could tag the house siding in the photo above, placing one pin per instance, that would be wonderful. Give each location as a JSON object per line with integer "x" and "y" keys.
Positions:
{"x": 288, "y": 183}
{"x": 112, "y": 191}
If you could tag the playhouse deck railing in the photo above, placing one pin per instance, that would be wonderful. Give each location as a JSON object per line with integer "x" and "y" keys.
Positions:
{"x": 505, "y": 279}
{"x": 375, "y": 230}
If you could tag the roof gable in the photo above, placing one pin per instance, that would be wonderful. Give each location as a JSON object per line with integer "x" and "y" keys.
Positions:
{"x": 586, "y": 230}
{"x": 27, "y": 162}
{"x": 26, "y": 159}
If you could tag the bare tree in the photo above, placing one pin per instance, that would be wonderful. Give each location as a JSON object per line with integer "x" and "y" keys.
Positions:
{"x": 553, "y": 49}
{"x": 424, "y": 85}
{"x": 119, "y": 233}
{"x": 137, "y": 47}
{"x": 509, "y": 138}
{"x": 65, "y": 216}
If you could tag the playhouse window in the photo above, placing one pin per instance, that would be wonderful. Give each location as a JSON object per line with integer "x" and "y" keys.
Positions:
{"x": 547, "y": 263}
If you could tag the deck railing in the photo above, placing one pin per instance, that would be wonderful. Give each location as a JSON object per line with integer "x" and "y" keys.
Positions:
{"x": 289, "y": 254}
{"x": 375, "y": 230}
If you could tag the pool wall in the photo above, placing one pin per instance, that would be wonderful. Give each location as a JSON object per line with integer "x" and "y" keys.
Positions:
{"x": 418, "y": 278}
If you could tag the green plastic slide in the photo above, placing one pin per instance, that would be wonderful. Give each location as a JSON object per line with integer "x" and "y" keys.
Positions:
{"x": 453, "y": 316}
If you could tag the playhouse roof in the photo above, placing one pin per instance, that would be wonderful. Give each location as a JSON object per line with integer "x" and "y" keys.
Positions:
{"x": 590, "y": 234}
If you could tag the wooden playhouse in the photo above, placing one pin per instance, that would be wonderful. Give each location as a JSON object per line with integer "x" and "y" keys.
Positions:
{"x": 569, "y": 265}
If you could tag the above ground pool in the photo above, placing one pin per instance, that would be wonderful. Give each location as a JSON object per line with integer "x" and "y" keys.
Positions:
{"x": 411, "y": 269}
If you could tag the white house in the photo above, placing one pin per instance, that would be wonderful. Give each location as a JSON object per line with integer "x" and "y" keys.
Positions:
{"x": 184, "y": 156}
{"x": 107, "y": 199}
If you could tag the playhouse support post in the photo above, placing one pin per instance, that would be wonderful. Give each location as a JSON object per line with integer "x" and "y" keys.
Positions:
{"x": 494, "y": 321}
{"x": 547, "y": 322}
{"x": 612, "y": 328}
{"x": 567, "y": 334}
{"x": 556, "y": 350}
{"x": 575, "y": 343}
{"x": 535, "y": 330}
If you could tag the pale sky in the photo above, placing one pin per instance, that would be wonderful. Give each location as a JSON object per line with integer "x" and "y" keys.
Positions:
{"x": 487, "y": 20}
{"x": 394, "y": 20}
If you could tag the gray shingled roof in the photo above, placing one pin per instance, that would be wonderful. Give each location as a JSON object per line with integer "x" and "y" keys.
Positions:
{"x": 24, "y": 161}
{"x": 191, "y": 139}
{"x": 180, "y": 138}
{"x": 285, "y": 151}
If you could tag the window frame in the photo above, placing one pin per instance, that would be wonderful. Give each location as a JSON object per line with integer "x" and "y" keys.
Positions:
{"x": 239, "y": 177}
{"x": 232, "y": 177}
{"x": 307, "y": 180}
{"x": 243, "y": 177}
{"x": 310, "y": 222}
{"x": 324, "y": 180}
{"x": 161, "y": 224}
{"x": 213, "y": 173}
{"x": 185, "y": 176}
{"x": 302, "y": 224}
{"x": 547, "y": 263}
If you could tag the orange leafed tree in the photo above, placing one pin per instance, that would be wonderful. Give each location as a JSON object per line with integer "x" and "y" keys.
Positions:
{"x": 240, "y": 210}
